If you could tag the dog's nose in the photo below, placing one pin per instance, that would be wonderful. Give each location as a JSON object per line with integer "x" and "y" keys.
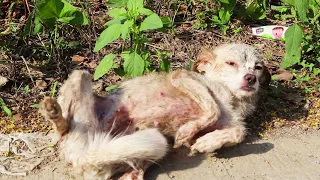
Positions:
{"x": 250, "y": 78}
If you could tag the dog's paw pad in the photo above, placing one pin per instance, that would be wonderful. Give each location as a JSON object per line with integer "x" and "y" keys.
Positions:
{"x": 50, "y": 108}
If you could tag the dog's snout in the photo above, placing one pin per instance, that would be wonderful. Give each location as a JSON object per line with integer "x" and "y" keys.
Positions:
{"x": 250, "y": 78}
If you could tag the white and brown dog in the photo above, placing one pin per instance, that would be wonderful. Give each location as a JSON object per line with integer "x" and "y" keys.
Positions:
{"x": 125, "y": 130}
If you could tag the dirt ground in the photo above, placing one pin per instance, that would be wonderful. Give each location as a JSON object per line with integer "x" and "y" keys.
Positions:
{"x": 283, "y": 153}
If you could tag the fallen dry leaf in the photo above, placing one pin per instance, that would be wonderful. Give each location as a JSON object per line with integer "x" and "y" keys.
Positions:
{"x": 17, "y": 117}
{"x": 283, "y": 75}
{"x": 91, "y": 65}
{"x": 77, "y": 59}
{"x": 41, "y": 84}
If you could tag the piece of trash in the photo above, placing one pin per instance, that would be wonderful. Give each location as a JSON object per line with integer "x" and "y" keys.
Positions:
{"x": 270, "y": 32}
{"x": 20, "y": 153}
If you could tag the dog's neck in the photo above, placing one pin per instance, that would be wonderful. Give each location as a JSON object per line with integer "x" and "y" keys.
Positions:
{"x": 245, "y": 104}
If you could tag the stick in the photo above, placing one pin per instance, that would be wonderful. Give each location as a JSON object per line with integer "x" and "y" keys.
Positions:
{"x": 25, "y": 62}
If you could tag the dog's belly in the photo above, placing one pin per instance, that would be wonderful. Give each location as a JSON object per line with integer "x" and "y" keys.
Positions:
{"x": 166, "y": 113}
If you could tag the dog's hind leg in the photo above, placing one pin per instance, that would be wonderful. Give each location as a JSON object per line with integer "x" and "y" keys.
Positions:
{"x": 51, "y": 111}
{"x": 76, "y": 99}
{"x": 74, "y": 106}
{"x": 190, "y": 84}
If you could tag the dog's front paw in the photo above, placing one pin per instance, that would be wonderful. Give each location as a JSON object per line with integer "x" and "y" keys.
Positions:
{"x": 211, "y": 142}
{"x": 185, "y": 134}
{"x": 50, "y": 109}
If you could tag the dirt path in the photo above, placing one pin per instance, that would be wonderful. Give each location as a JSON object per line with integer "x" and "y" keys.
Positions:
{"x": 282, "y": 154}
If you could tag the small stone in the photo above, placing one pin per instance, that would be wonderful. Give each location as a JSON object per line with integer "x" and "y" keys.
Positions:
{"x": 3, "y": 80}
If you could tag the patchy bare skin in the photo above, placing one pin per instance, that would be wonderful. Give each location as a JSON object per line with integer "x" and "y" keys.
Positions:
{"x": 203, "y": 112}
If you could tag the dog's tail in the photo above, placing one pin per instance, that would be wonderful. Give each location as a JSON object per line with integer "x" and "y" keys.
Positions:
{"x": 103, "y": 149}
{"x": 148, "y": 145}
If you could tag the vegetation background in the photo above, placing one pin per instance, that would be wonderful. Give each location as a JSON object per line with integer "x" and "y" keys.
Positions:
{"x": 42, "y": 41}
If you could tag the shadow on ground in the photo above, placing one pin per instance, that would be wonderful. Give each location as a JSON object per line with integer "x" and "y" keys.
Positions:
{"x": 178, "y": 160}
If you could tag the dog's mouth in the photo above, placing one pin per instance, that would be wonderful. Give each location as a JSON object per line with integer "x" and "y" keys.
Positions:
{"x": 248, "y": 88}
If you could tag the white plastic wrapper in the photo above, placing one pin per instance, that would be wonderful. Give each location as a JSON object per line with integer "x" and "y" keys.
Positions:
{"x": 270, "y": 32}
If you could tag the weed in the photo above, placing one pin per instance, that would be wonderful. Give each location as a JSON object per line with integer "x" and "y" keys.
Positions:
{"x": 125, "y": 25}
{"x": 221, "y": 15}
{"x": 51, "y": 16}
{"x": 5, "y": 108}
{"x": 302, "y": 45}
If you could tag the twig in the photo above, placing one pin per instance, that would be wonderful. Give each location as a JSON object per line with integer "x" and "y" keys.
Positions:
{"x": 3, "y": 170}
{"x": 26, "y": 3}
{"x": 153, "y": 46}
{"x": 25, "y": 62}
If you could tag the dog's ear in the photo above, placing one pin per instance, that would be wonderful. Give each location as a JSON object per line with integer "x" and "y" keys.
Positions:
{"x": 204, "y": 58}
{"x": 265, "y": 78}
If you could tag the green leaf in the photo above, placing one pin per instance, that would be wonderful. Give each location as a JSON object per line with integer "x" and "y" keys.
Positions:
{"x": 35, "y": 105}
{"x": 104, "y": 66}
{"x": 302, "y": 7}
{"x": 107, "y": 36}
{"x": 115, "y": 21}
{"x": 109, "y": 88}
{"x": 125, "y": 29}
{"x": 117, "y": 3}
{"x": 73, "y": 44}
{"x": 117, "y": 12}
{"x": 134, "y": 5}
{"x": 166, "y": 21}
{"x": 50, "y": 11}
{"x": 27, "y": 26}
{"x": 53, "y": 90}
{"x": 151, "y": 22}
{"x": 225, "y": 16}
{"x": 125, "y": 55}
{"x": 224, "y": 1}
{"x": 5, "y": 108}
{"x": 145, "y": 11}
{"x": 7, "y": 111}
{"x": 134, "y": 64}
{"x": 293, "y": 38}
{"x": 37, "y": 25}
{"x": 165, "y": 65}
{"x": 256, "y": 9}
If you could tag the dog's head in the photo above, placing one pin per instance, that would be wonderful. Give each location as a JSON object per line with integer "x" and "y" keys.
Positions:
{"x": 238, "y": 66}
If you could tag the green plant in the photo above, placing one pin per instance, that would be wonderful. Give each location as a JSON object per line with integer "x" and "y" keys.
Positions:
{"x": 5, "y": 108}
{"x": 25, "y": 89}
{"x": 256, "y": 9}
{"x": 51, "y": 15}
{"x": 221, "y": 15}
{"x": 301, "y": 38}
{"x": 302, "y": 45}
{"x": 125, "y": 25}
{"x": 165, "y": 63}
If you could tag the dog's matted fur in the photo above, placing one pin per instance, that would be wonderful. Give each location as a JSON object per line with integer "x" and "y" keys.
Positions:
{"x": 125, "y": 130}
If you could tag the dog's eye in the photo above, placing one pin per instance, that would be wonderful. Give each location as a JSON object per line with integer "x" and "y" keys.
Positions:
{"x": 231, "y": 63}
{"x": 258, "y": 67}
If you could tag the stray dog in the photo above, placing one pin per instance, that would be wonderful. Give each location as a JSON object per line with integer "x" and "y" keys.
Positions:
{"x": 125, "y": 131}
